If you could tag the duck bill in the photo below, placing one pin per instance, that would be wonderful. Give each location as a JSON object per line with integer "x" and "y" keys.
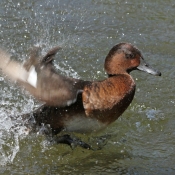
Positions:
{"x": 146, "y": 68}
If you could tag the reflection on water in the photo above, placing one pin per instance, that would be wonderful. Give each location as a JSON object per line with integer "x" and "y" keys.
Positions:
{"x": 142, "y": 140}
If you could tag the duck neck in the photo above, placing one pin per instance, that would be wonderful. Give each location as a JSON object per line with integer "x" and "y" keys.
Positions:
{"x": 113, "y": 75}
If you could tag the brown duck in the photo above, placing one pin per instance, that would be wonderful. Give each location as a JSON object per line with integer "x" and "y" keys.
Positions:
{"x": 76, "y": 105}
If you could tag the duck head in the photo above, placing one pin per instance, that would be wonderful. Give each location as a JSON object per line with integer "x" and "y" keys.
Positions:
{"x": 124, "y": 57}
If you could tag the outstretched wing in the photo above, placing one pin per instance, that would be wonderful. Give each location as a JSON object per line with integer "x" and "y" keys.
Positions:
{"x": 39, "y": 77}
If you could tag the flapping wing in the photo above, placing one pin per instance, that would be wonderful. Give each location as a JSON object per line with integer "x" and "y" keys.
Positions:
{"x": 41, "y": 80}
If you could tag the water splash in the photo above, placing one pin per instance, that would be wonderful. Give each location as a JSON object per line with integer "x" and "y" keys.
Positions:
{"x": 12, "y": 129}
{"x": 13, "y": 103}
{"x": 23, "y": 25}
{"x": 153, "y": 114}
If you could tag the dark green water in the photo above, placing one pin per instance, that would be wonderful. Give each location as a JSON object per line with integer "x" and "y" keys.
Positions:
{"x": 142, "y": 141}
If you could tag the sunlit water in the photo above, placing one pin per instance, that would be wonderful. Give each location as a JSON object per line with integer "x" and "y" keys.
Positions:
{"x": 142, "y": 141}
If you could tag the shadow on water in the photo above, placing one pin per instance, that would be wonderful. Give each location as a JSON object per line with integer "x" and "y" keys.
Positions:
{"x": 142, "y": 140}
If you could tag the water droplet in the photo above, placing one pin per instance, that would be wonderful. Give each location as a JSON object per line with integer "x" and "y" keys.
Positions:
{"x": 1, "y": 78}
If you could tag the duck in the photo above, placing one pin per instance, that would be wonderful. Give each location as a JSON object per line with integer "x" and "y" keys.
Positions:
{"x": 76, "y": 105}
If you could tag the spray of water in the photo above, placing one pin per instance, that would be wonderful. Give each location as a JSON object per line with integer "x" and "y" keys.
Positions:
{"x": 25, "y": 24}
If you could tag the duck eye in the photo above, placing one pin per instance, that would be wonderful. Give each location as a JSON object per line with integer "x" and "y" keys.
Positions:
{"x": 129, "y": 56}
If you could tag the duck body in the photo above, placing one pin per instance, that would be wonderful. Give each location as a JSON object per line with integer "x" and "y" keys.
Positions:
{"x": 77, "y": 105}
{"x": 100, "y": 104}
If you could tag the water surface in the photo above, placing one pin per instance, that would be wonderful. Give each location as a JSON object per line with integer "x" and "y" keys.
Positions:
{"x": 142, "y": 141}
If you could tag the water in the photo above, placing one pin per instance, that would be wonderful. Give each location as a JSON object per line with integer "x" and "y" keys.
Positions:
{"x": 142, "y": 140}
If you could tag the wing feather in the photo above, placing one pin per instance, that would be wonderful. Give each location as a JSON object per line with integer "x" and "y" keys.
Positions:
{"x": 39, "y": 77}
